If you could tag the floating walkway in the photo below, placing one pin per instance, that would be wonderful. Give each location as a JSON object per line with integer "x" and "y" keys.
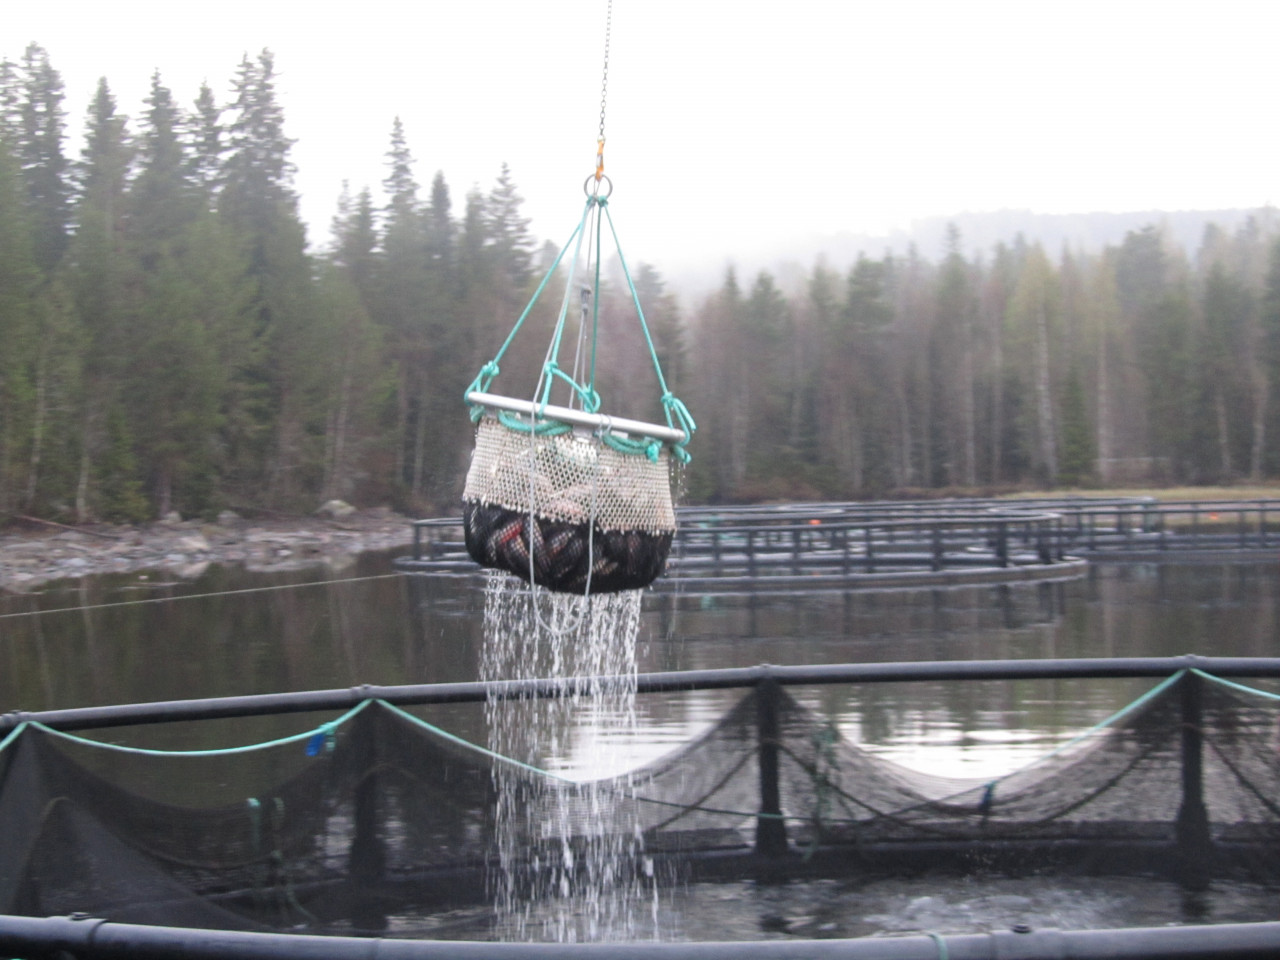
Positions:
{"x": 813, "y": 546}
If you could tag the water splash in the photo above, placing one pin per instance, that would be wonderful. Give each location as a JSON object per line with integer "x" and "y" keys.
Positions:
{"x": 569, "y": 863}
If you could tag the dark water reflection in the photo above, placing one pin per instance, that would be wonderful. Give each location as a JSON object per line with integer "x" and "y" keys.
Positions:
{"x": 321, "y": 628}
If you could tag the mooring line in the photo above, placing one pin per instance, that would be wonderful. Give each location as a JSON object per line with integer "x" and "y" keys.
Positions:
{"x": 195, "y": 596}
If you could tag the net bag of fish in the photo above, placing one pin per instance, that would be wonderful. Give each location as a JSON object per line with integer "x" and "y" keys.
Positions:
{"x": 567, "y": 510}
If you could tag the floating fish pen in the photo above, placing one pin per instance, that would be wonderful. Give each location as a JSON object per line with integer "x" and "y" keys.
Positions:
{"x": 813, "y": 546}
{"x": 304, "y": 845}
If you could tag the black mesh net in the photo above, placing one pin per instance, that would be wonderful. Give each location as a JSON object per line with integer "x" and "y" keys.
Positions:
{"x": 385, "y": 812}
{"x": 566, "y": 557}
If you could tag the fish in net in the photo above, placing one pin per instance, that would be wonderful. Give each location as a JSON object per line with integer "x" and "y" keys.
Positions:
{"x": 567, "y": 511}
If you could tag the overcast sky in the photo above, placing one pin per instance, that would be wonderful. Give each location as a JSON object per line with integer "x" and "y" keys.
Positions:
{"x": 732, "y": 127}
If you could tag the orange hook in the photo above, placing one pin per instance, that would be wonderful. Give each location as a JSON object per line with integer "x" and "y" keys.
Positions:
{"x": 599, "y": 159}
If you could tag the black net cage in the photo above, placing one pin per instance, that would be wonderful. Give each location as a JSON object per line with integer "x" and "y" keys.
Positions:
{"x": 380, "y": 812}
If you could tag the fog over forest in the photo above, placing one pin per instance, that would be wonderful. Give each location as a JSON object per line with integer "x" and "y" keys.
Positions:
{"x": 174, "y": 340}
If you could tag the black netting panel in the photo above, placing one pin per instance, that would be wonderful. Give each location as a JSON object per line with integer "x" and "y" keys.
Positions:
{"x": 387, "y": 808}
{"x": 387, "y": 799}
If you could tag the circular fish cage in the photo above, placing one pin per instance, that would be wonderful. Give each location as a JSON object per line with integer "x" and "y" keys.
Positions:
{"x": 309, "y": 844}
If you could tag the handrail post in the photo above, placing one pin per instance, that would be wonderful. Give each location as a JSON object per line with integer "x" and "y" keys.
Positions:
{"x": 937, "y": 546}
{"x": 869, "y": 540}
{"x": 417, "y": 541}
{"x": 1002, "y": 543}
{"x": 771, "y": 829}
{"x": 1195, "y": 846}
{"x": 366, "y": 856}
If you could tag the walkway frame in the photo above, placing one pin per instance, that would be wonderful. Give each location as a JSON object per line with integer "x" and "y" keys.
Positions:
{"x": 821, "y": 545}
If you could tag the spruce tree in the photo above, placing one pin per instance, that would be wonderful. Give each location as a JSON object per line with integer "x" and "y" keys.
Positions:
{"x": 99, "y": 276}
{"x": 19, "y": 331}
{"x": 269, "y": 455}
{"x": 44, "y": 166}
{"x": 205, "y": 144}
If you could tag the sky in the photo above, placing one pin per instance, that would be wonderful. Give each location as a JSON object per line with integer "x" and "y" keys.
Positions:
{"x": 732, "y": 129}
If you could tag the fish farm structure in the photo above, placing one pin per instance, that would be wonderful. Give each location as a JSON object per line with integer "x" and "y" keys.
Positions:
{"x": 325, "y": 832}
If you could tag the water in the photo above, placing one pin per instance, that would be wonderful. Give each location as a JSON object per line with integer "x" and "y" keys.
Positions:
{"x": 595, "y": 889}
{"x": 370, "y": 627}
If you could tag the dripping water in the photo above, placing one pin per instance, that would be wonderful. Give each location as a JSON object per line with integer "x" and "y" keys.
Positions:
{"x": 569, "y": 862}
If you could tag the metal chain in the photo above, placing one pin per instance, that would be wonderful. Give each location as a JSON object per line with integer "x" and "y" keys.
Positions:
{"x": 604, "y": 84}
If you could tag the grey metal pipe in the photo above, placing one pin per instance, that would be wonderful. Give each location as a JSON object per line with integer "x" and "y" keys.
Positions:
{"x": 311, "y": 701}
{"x": 92, "y": 939}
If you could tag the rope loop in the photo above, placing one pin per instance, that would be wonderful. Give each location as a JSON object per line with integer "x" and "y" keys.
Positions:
{"x": 587, "y": 395}
{"x": 540, "y": 428}
{"x": 480, "y": 385}
{"x": 678, "y": 414}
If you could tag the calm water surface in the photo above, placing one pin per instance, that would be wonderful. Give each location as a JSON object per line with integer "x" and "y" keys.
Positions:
{"x": 321, "y": 628}
{"x": 366, "y": 625}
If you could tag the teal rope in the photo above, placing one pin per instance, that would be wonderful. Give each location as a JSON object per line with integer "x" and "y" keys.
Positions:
{"x": 1208, "y": 676}
{"x": 674, "y": 411}
{"x": 586, "y": 394}
{"x": 490, "y": 370}
{"x": 325, "y": 730}
{"x": 13, "y": 735}
{"x": 672, "y": 408}
{"x": 484, "y": 751}
{"x": 595, "y": 301}
{"x": 557, "y": 336}
{"x": 989, "y": 796}
{"x": 542, "y": 428}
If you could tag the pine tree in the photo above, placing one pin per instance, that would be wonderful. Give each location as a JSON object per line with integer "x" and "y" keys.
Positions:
{"x": 1078, "y": 453}
{"x": 507, "y": 232}
{"x": 954, "y": 416}
{"x": 205, "y": 148}
{"x": 99, "y": 273}
{"x": 400, "y": 312}
{"x": 355, "y": 240}
{"x": 41, "y": 131}
{"x": 19, "y": 331}
{"x": 268, "y": 444}
{"x": 177, "y": 406}
{"x": 1034, "y": 317}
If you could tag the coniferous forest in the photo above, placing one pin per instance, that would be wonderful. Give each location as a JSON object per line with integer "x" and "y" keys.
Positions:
{"x": 170, "y": 343}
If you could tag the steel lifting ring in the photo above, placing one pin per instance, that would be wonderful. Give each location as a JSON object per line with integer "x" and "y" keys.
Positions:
{"x": 586, "y": 186}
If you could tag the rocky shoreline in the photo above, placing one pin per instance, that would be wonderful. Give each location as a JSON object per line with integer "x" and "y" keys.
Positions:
{"x": 32, "y": 554}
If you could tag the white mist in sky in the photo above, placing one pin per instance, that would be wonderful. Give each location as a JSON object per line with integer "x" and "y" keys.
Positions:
{"x": 732, "y": 128}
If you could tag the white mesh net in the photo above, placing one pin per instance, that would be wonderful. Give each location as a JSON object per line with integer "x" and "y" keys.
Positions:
{"x": 570, "y": 477}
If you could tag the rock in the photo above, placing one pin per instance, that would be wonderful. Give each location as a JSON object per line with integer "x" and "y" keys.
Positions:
{"x": 227, "y": 518}
{"x": 172, "y": 518}
{"x": 27, "y": 560}
{"x": 335, "y": 509}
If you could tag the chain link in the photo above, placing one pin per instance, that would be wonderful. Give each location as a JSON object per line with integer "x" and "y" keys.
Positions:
{"x": 604, "y": 84}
